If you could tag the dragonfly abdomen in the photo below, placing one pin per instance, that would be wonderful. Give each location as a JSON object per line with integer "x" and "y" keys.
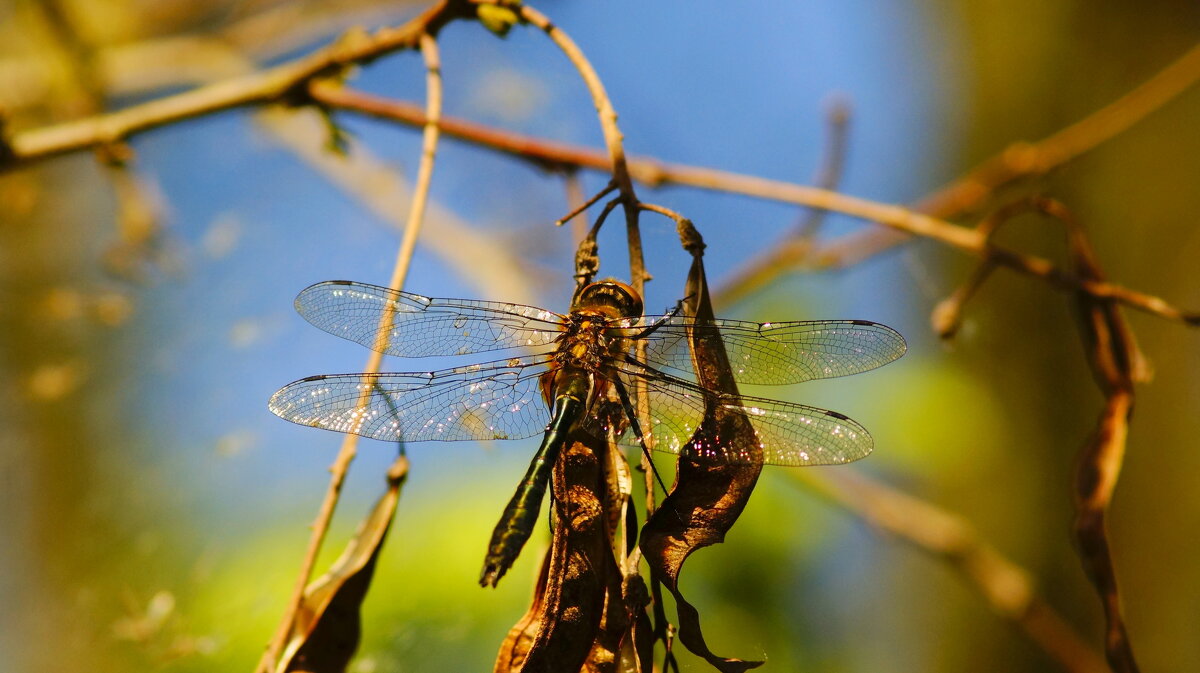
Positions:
{"x": 521, "y": 513}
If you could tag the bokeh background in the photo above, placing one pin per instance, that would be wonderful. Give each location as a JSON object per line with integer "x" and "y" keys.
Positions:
{"x": 153, "y": 513}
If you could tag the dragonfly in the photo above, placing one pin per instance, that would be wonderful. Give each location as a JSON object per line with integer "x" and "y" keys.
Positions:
{"x": 563, "y": 368}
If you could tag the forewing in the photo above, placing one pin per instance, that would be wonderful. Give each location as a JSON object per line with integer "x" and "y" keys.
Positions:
{"x": 787, "y": 434}
{"x": 424, "y": 326}
{"x": 495, "y": 400}
{"x": 775, "y": 353}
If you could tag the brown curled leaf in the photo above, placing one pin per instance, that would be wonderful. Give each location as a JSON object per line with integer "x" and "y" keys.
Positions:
{"x": 568, "y": 612}
{"x": 1116, "y": 364}
{"x": 625, "y": 643}
{"x": 641, "y": 630}
{"x": 327, "y": 628}
{"x": 520, "y": 637}
{"x": 624, "y": 608}
{"x": 706, "y": 499}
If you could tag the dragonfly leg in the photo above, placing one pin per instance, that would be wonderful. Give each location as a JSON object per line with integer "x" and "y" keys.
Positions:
{"x": 636, "y": 427}
{"x": 653, "y": 327}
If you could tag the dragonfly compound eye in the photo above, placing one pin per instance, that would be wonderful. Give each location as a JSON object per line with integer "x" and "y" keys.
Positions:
{"x": 612, "y": 294}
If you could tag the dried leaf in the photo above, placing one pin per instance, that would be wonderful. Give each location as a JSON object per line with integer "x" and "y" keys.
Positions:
{"x": 1116, "y": 364}
{"x": 519, "y": 640}
{"x": 326, "y": 631}
{"x": 707, "y": 499}
{"x": 626, "y": 624}
{"x": 572, "y": 606}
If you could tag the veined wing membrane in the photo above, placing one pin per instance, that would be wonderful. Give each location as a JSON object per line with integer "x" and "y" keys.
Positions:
{"x": 785, "y": 433}
{"x": 776, "y": 353}
{"x": 424, "y": 326}
{"x": 494, "y": 400}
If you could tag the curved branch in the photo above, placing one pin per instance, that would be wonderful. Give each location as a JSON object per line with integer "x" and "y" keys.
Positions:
{"x": 654, "y": 173}
{"x": 613, "y": 140}
{"x": 1030, "y": 159}
{"x": 349, "y": 447}
{"x": 283, "y": 83}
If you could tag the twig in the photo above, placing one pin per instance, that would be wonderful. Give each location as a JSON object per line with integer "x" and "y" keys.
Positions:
{"x": 349, "y": 445}
{"x": 946, "y": 317}
{"x": 278, "y": 84}
{"x": 1005, "y": 586}
{"x": 587, "y": 253}
{"x": 1116, "y": 363}
{"x": 1024, "y": 159}
{"x": 580, "y": 205}
{"x": 653, "y": 173}
{"x": 1099, "y": 467}
{"x": 613, "y": 140}
{"x": 272, "y": 84}
{"x": 575, "y": 201}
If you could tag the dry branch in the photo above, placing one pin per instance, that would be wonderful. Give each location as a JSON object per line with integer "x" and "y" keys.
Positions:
{"x": 656, "y": 173}
{"x": 1117, "y": 364}
{"x": 619, "y": 169}
{"x": 349, "y": 447}
{"x": 1023, "y": 159}
{"x": 289, "y": 83}
{"x": 284, "y": 83}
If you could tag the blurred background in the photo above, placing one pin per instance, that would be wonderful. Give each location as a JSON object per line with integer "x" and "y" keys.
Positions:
{"x": 153, "y": 513}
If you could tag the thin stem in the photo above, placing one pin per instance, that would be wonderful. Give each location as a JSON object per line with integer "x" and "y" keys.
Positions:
{"x": 652, "y": 172}
{"x": 613, "y": 140}
{"x": 273, "y": 85}
{"x": 1024, "y": 159}
{"x": 574, "y": 189}
{"x": 579, "y": 205}
{"x": 349, "y": 447}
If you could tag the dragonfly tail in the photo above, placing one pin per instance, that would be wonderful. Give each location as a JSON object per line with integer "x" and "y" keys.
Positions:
{"x": 516, "y": 524}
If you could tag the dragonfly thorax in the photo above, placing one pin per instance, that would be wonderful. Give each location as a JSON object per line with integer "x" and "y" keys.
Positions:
{"x": 587, "y": 341}
{"x": 589, "y": 336}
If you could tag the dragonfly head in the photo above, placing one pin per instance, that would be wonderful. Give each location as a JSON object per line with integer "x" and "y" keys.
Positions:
{"x": 612, "y": 297}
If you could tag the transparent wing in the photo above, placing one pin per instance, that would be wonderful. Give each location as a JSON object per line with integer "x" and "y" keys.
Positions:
{"x": 424, "y": 326}
{"x": 774, "y": 353}
{"x": 494, "y": 400}
{"x": 784, "y": 433}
